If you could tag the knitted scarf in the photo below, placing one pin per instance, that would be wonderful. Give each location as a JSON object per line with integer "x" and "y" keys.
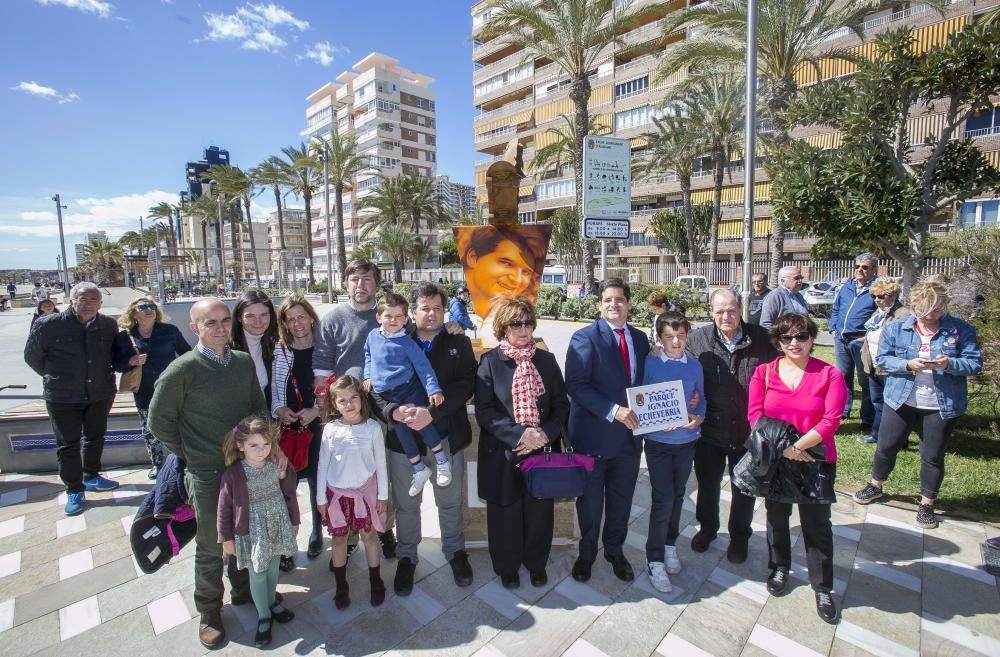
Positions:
{"x": 527, "y": 387}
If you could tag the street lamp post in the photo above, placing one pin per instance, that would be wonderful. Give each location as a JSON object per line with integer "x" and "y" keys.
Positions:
{"x": 62, "y": 242}
{"x": 326, "y": 218}
{"x": 748, "y": 154}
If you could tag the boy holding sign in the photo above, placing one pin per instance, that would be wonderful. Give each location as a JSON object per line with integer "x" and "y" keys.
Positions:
{"x": 670, "y": 378}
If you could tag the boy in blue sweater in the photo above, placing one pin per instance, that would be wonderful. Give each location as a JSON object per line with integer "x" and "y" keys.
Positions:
{"x": 670, "y": 454}
{"x": 398, "y": 369}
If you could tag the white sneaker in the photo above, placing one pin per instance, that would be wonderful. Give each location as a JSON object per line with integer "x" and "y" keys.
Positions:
{"x": 671, "y": 560}
{"x": 444, "y": 473}
{"x": 420, "y": 478}
{"x": 658, "y": 576}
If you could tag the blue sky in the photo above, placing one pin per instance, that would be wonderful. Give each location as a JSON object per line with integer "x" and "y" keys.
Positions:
{"x": 103, "y": 101}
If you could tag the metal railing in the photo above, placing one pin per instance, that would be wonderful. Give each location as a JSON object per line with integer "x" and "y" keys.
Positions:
{"x": 982, "y": 132}
{"x": 508, "y": 108}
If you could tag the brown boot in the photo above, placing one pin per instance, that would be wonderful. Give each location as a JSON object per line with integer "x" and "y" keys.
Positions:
{"x": 378, "y": 587}
{"x": 343, "y": 596}
{"x": 211, "y": 632}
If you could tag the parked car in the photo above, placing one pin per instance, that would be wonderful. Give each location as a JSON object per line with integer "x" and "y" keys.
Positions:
{"x": 819, "y": 296}
{"x": 698, "y": 283}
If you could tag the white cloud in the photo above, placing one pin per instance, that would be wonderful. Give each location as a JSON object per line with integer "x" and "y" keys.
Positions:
{"x": 116, "y": 215}
{"x": 265, "y": 27}
{"x": 98, "y": 7}
{"x": 35, "y": 89}
{"x": 323, "y": 52}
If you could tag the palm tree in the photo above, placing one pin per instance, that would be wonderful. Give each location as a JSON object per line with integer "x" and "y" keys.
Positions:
{"x": 674, "y": 147}
{"x": 788, "y": 35}
{"x": 393, "y": 242}
{"x": 234, "y": 183}
{"x": 101, "y": 258}
{"x": 343, "y": 164}
{"x": 164, "y": 210}
{"x": 130, "y": 241}
{"x": 422, "y": 206}
{"x": 272, "y": 172}
{"x": 203, "y": 210}
{"x": 561, "y": 151}
{"x": 714, "y": 103}
{"x": 573, "y": 34}
{"x": 303, "y": 176}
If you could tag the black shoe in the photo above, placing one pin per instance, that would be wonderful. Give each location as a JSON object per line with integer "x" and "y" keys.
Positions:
{"x": 701, "y": 541}
{"x": 461, "y": 569}
{"x": 388, "y": 541}
{"x": 825, "y": 607}
{"x": 581, "y": 569}
{"x": 737, "y": 552}
{"x": 510, "y": 581}
{"x": 621, "y": 566}
{"x": 283, "y": 616}
{"x": 315, "y": 545}
{"x": 287, "y": 564}
{"x": 263, "y": 636}
{"x": 926, "y": 517}
{"x": 865, "y": 428}
{"x": 777, "y": 582}
{"x": 539, "y": 577}
{"x": 868, "y": 494}
{"x": 403, "y": 582}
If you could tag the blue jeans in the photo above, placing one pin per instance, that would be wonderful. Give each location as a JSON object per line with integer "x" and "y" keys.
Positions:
{"x": 669, "y": 469}
{"x": 875, "y": 386}
{"x": 848, "y": 361}
{"x": 412, "y": 392}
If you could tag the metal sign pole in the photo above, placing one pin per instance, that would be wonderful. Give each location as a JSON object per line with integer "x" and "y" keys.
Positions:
{"x": 748, "y": 154}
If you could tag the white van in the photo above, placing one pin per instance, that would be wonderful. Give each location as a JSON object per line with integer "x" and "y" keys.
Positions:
{"x": 698, "y": 283}
{"x": 554, "y": 277}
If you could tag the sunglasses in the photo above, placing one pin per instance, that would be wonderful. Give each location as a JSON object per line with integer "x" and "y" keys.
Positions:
{"x": 146, "y": 306}
{"x": 865, "y": 267}
{"x": 799, "y": 337}
{"x": 522, "y": 323}
{"x": 883, "y": 296}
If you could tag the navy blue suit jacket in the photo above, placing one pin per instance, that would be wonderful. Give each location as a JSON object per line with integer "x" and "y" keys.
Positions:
{"x": 595, "y": 381}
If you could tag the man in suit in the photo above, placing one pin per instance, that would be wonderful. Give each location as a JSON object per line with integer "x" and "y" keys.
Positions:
{"x": 603, "y": 360}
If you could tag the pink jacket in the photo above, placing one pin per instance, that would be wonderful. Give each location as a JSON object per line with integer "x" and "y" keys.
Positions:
{"x": 233, "y": 515}
{"x": 817, "y": 403}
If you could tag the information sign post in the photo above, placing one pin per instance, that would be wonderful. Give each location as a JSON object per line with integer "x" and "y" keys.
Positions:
{"x": 607, "y": 191}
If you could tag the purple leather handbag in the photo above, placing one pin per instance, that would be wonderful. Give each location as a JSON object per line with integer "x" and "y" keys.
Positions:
{"x": 556, "y": 474}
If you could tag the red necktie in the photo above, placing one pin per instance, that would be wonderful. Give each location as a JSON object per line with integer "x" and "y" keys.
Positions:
{"x": 623, "y": 347}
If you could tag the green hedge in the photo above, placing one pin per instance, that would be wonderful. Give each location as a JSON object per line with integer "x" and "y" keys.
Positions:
{"x": 550, "y": 302}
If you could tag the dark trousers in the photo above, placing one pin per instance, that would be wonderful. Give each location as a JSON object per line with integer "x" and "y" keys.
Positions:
{"x": 893, "y": 435}
{"x": 709, "y": 464}
{"x": 70, "y": 422}
{"x": 412, "y": 392}
{"x": 203, "y": 496}
{"x": 817, "y": 532}
{"x": 876, "y": 384}
{"x": 608, "y": 493}
{"x": 847, "y": 355}
{"x": 669, "y": 468}
{"x": 309, "y": 474}
{"x": 519, "y": 533}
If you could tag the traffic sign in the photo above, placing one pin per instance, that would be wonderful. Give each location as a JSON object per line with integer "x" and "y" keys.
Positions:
{"x": 607, "y": 178}
{"x": 606, "y": 229}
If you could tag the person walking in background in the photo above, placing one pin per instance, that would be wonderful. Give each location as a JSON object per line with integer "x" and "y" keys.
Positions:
{"x": 785, "y": 298}
{"x": 255, "y": 331}
{"x": 809, "y": 395}
{"x": 851, "y": 309}
{"x": 521, "y": 407}
{"x": 39, "y": 293}
{"x": 603, "y": 360}
{"x": 928, "y": 359}
{"x": 669, "y": 454}
{"x": 147, "y": 341}
{"x": 729, "y": 351}
{"x": 353, "y": 484}
{"x": 258, "y": 515}
{"x": 758, "y": 292}
{"x": 458, "y": 310}
{"x": 11, "y": 290}
{"x": 74, "y": 352}
{"x": 885, "y": 292}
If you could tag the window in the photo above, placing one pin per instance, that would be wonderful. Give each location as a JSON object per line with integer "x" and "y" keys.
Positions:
{"x": 632, "y": 88}
{"x": 319, "y": 117}
{"x": 983, "y": 213}
{"x": 634, "y": 118}
{"x": 526, "y": 217}
{"x": 489, "y": 85}
{"x": 983, "y": 124}
{"x": 556, "y": 189}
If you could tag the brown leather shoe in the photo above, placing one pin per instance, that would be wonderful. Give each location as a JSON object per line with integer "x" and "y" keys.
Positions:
{"x": 211, "y": 632}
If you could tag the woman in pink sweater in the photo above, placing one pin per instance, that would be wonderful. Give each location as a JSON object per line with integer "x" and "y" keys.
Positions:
{"x": 810, "y": 395}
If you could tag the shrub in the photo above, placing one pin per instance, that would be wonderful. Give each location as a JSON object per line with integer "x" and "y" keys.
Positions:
{"x": 549, "y": 302}
{"x": 404, "y": 289}
{"x": 580, "y": 308}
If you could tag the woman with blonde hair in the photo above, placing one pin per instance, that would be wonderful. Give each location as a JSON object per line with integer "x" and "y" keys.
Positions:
{"x": 146, "y": 340}
{"x": 928, "y": 358}
{"x": 888, "y": 308}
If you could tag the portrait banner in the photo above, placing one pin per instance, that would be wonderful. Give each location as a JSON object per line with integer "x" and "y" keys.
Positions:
{"x": 659, "y": 406}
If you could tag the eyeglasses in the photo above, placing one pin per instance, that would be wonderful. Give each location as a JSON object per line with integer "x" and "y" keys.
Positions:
{"x": 798, "y": 337}
{"x": 883, "y": 296}
{"x": 865, "y": 267}
{"x": 522, "y": 323}
{"x": 796, "y": 278}
{"x": 146, "y": 306}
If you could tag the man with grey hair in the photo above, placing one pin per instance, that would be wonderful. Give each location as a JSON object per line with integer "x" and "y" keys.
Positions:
{"x": 73, "y": 352}
{"x": 729, "y": 351}
{"x": 852, "y": 307}
{"x": 785, "y": 298}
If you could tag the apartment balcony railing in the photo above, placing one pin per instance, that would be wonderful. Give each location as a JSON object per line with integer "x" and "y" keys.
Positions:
{"x": 496, "y": 134}
{"x": 982, "y": 132}
{"x": 645, "y": 60}
{"x": 503, "y": 90}
{"x": 510, "y": 61}
{"x": 631, "y": 94}
{"x": 881, "y": 21}
{"x": 506, "y": 109}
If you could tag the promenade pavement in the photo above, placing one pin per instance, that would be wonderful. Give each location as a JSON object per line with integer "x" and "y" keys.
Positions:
{"x": 70, "y": 586}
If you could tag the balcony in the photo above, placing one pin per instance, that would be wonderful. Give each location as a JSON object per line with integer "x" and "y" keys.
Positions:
{"x": 510, "y": 61}
{"x": 496, "y": 134}
{"x": 984, "y": 133}
{"x": 506, "y": 109}
{"x": 635, "y": 65}
{"x": 504, "y": 90}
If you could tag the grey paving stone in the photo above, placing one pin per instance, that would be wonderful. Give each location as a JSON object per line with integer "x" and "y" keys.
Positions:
{"x": 635, "y": 624}
{"x": 30, "y": 578}
{"x": 30, "y": 637}
{"x": 140, "y": 591}
{"x": 125, "y": 636}
{"x": 794, "y": 615}
{"x": 547, "y": 629}
{"x": 967, "y": 602}
{"x": 373, "y": 632}
{"x": 458, "y": 632}
{"x": 60, "y": 594}
{"x": 888, "y": 610}
{"x": 718, "y": 621}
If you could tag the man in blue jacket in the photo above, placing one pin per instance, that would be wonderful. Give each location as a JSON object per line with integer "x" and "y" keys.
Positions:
{"x": 853, "y": 307}
{"x": 603, "y": 360}
{"x": 458, "y": 310}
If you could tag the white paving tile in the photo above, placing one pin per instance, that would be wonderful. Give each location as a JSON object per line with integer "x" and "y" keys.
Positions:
{"x": 14, "y": 476}
{"x": 472, "y": 484}
{"x": 677, "y": 596}
{"x": 422, "y": 606}
{"x": 126, "y": 493}
{"x": 62, "y": 498}
{"x": 502, "y": 600}
{"x": 11, "y": 527}
{"x": 585, "y": 596}
{"x": 848, "y": 533}
{"x": 16, "y": 496}
{"x": 871, "y": 642}
{"x": 674, "y": 646}
{"x": 430, "y": 551}
{"x": 10, "y": 564}
{"x": 6, "y": 615}
{"x": 167, "y": 612}
{"x": 778, "y": 644}
{"x": 70, "y": 525}
{"x": 959, "y": 568}
{"x": 75, "y": 563}
{"x": 801, "y": 572}
{"x": 323, "y": 603}
{"x": 79, "y": 617}
{"x": 755, "y": 591}
{"x": 582, "y": 648}
{"x": 488, "y": 650}
{"x": 636, "y": 540}
{"x": 127, "y": 524}
{"x": 114, "y": 475}
{"x": 876, "y": 519}
{"x": 888, "y": 573}
{"x": 960, "y": 634}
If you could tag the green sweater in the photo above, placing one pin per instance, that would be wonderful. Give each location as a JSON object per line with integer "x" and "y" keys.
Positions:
{"x": 196, "y": 402}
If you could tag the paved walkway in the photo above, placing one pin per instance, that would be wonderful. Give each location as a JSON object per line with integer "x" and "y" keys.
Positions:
{"x": 70, "y": 586}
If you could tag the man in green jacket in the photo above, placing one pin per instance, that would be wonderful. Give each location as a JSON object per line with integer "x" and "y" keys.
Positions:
{"x": 197, "y": 401}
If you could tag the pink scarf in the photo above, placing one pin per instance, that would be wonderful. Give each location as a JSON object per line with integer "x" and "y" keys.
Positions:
{"x": 528, "y": 386}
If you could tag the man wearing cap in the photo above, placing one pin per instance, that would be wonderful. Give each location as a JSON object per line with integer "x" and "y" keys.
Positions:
{"x": 458, "y": 311}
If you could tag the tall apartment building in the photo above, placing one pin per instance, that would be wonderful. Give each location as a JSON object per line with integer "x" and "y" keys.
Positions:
{"x": 262, "y": 261}
{"x": 92, "y": 238}
{"x": 390, "y": 110}
{"x": 294, "y": 220}
{"x": 522, "y": 99}
{"x": 454, "y": 196}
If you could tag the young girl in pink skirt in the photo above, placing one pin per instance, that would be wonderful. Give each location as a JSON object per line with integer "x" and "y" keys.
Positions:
{"x": 352, "y": 483}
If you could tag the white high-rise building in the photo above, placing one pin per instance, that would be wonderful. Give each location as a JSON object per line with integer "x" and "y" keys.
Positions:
{"x": 454, "y": 196}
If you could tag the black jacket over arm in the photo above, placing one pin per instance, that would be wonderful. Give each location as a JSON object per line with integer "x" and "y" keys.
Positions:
{"x": 499, "y": 481}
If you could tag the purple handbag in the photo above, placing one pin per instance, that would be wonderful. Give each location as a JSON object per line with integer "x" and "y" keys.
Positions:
{"x": 556, "y": 474}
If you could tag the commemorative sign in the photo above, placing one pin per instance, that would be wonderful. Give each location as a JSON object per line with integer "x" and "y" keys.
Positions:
{"x": 659, "y": 406}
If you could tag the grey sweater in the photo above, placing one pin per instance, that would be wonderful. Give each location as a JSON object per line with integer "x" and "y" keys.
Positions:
{"x": 776, "y": 304}
{"x": 340, "y": 340}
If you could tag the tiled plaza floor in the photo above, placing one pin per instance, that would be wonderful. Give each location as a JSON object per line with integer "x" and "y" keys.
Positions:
{"x": 69, "y": 586}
